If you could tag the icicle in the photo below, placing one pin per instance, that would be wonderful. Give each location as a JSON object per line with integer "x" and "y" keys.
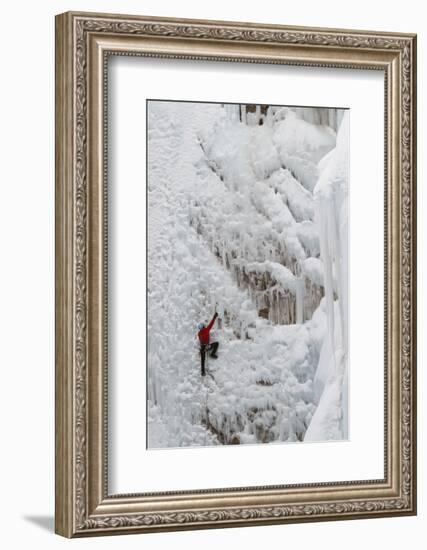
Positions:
{"x": 300, "y": 294}
{"x": 268, "y": 117}
{"x": 257, "y": 114}
{"x": 243, "y": 113}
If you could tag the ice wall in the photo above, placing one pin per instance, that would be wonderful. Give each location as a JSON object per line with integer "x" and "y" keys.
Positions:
{"x": 238, "y": 225}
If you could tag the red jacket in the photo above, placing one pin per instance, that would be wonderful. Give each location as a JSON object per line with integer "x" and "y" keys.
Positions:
{"x": 203, "y": 334}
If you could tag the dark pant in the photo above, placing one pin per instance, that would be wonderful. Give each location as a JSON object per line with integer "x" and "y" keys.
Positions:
{"x": 204, "y": 349}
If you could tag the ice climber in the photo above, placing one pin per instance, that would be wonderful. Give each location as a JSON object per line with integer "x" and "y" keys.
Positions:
{"x": 205, "y": 344}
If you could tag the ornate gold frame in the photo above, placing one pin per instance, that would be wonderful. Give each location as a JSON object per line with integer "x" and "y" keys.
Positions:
{"x": 83, "y": 41}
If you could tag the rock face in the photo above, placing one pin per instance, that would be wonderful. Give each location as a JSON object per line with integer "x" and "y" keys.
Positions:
{"x": 233, "y": 226}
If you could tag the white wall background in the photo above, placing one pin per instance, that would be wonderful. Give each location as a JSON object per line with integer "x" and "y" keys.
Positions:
{"x": 27, "y": 273}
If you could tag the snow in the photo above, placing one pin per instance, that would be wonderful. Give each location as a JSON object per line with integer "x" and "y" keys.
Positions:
{"x": 301, "y": 146}
{"x": 299, "y": 201}
{"x": 243, "y": 219}
{"x": 313, "y": 269}
{"x": 279, "y": 272}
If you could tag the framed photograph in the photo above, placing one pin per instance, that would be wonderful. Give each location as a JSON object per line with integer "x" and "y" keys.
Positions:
{"x": 235, "y": 274}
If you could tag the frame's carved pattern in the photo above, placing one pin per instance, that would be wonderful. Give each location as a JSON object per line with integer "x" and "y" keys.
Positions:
{"x": 405, "y": 48}
{"x": 407, "y": 276}
{"x": 296, "y": 511}
{"x": 80, "y": 273}
{"x": 213, "y": 32}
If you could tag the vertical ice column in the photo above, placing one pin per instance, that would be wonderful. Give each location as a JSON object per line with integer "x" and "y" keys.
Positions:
{"x": 331, "y": 195}
{"x": 325, "y": 221}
